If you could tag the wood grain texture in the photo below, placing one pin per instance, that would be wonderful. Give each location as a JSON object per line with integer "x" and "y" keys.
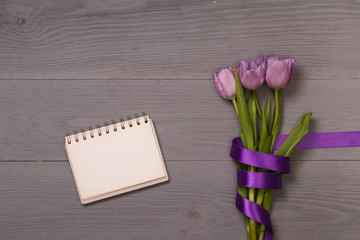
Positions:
{"x": 66, "y": 65}
{"x": 160, "y": 39}
{"x": 39, "y": 201}
{"x": 192, "y": 121}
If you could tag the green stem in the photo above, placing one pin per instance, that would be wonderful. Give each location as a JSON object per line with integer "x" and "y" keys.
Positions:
{"x": 243, "y": 140}
{"x": 248, "y": 134}
{"x": 268, "y": 193}
{"x": 260, "y": 194}
{"x": 252, "y": 229}
{"x": 264, "y": 146}
{"x": 267, "y": 202}
{"x": 248, "y": 227}
{"x": 235, "y": 106}
{"x": 276, "y": 120}
{"x": 256, "y": 103}
{"x": 252, "y": 192}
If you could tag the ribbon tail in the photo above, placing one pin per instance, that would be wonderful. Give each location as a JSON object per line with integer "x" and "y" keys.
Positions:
{"x": 324, "y": 140}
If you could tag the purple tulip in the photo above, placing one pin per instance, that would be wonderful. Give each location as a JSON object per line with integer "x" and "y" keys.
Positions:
{"x": 225, "y": 83}
{"x": 279, "y": 72}
{"x": 252, "y": 74}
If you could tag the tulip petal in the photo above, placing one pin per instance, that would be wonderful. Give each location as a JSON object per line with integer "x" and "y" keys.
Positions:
{"x": 252, "y": 80}
{"x": 291, "y": 64}
{"x": 260, "y": 60}
{"x": 225, "y": 83}
{"x": 241, "y": 68}
{"x": 271, "y": 58}
{"x": 251, "y": 65}
{"x": 261, "y": 69}
{"x": 279, "y": 72}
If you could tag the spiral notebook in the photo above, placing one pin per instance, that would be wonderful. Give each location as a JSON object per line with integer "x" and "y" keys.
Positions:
{"x": 117, "y": 158}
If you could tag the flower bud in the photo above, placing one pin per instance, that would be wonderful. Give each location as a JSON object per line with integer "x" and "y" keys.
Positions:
{"x": 279, "y": 72}
{"x": 225, "y": 83}
{"x": 252, "y": 74}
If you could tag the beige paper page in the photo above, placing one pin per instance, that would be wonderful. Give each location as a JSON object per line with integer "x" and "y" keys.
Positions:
{"x": 117, "y": 162}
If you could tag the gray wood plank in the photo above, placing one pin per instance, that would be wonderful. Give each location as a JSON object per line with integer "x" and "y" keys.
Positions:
{"x": 70, "y": 64}
{"x": 319, "y": 200}
{"x": 177, "y": 39}
{"x": 192, "y": 121}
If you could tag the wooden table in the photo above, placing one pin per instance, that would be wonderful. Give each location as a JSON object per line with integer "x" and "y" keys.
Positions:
{"x": 69, "y": 64}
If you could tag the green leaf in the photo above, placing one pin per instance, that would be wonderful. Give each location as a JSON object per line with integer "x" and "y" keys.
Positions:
{"x": 244, "y": 116}
{"x": 253, "y": 116}
{"x": 267, "y": 112}
{"x": 243, "y": 191}
{"x": 297, "y": 133}
{"x": 264, "y": 131}
{"x": 243, "y": 139}
{"x": 267, "y": 146}
{"x": 277, "y": 116}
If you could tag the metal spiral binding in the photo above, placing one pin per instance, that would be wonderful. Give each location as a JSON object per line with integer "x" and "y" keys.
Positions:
{"x": 99, "y": 131}
{"x": 83, "y": 134}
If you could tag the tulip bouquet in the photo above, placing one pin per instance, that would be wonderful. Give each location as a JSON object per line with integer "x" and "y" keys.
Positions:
{"x": 259, "y": 158}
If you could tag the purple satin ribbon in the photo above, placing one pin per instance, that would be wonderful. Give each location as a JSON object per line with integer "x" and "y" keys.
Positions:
{"x": 279, "y": 164}
{"x": 324, "y": 140}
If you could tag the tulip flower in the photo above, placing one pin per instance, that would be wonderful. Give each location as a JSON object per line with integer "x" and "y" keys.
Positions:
{"x": 225, "y": 83}
{"x": 279, "y": 72}
{"x": 252, "y": 74}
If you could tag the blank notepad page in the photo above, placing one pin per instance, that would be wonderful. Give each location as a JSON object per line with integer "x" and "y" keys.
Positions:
{"x": 114, "y": 159}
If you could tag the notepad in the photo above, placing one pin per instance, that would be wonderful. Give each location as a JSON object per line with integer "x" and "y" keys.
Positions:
{"x": 115, "y": 158}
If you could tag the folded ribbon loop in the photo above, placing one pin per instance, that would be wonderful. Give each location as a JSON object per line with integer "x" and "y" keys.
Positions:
{"x": 259, "y": 179}
{"x": 258, "y": 159}
{"x": 253, "y": 210}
